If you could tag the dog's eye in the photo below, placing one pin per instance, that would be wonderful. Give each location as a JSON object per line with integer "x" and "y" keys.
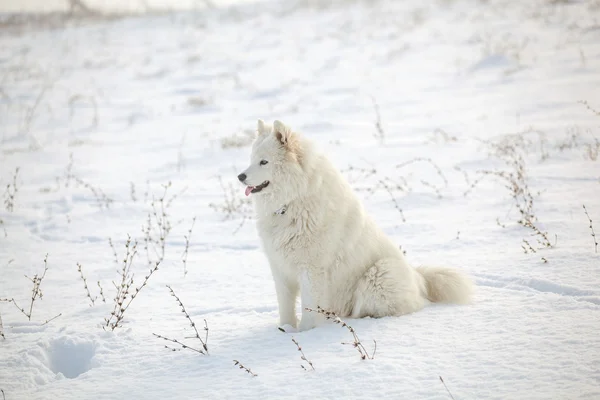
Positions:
{"x": 263, "y": 162}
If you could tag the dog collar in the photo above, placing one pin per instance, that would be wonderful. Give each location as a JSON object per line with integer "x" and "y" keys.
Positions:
{"x": 281, "y": 211}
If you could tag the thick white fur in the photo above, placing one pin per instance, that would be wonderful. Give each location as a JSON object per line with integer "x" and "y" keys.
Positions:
{"x": 325, "y": 247}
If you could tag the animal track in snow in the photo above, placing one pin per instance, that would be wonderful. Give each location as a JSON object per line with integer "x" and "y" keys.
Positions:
{"x": 70, "y": 357}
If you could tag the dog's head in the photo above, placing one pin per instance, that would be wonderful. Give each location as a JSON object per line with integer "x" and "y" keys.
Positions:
{"x": 275, "y": 161}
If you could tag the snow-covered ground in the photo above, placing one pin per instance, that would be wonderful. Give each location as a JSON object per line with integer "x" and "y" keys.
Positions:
{"x": 422, "y": 104}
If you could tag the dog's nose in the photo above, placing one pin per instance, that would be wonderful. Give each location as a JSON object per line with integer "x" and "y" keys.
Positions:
{"x": 242, "y": 177}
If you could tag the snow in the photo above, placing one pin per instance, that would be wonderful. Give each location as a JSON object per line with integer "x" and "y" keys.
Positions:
{"x": 97, "y": 116}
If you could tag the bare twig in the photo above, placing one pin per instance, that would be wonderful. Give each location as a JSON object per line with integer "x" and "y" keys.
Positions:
{"x": 587, "y": 105}
{"x": 192, "y": 324}
{"x": 187, "y": 246}
{"x": 113, "y": 250}
{"x": 380, "y": 132}
{"x": 183, "y": 346}
{"x": 101, "y": 293}
{"x": 448, "y": 390}
{"x": 36, "y": 292}
{"x": 204, "y": 342}
{"x": 248, "y": 370}
{"x": 85, "y": 285}
{"x": 52, "y": 319}
{"x": 125, "y": 292}
{"x": 592, "y": 229}
{"x": 10, "y": 193}
{"x": 303, "y": 357}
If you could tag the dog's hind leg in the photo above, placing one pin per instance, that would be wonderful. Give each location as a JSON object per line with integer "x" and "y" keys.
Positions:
{"x": 388, "y": 287}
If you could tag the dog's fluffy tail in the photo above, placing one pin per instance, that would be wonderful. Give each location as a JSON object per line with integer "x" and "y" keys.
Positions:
{"x": 446, "y": 285}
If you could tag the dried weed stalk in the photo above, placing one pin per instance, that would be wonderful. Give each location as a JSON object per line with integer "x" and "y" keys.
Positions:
{"x": 85, "y": 285}
{"x": 447, "y": 390}
{"x": 380, "y": 133}
{"x": 10, "y": 193}
{"x": 204, "y": 342}
{"x": 303, "y": 357}
{"x": 330, "y": 315}
{"x": 515, "y": 180}
{"x": 241, "y": 366}
{"x": 101, "y": 293}
{"x": 126, "y": 292}
{"x": 36, "y": 291}
{"x": 52, "y": 319}
{"x": 187, "y": 246}
{"x": 158, "y": 226}
{"x": 2, "y": 328}
{"x": 592, "y": 229}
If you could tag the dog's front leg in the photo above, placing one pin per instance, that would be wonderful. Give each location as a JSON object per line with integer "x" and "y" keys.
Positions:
{"x": 287, "y": 292}
{"x": 312, "y": 295}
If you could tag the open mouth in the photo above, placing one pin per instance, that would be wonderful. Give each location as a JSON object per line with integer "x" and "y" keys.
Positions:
{"x": 256, "y": 189}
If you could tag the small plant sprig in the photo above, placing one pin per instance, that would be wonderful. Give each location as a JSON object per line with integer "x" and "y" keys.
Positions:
{"x": 158, "y": 226}
{"x": 101, "y": 198}
{"x": 187, "y": 246}
{"x": 330, "y": 315}
{"x": 303, "y": 357}
{"x": 36, "y": 291}
{"x": 378, "y": 126}
{"x": 396, "y": 205}
{"x": 101, "y": 293}
{"x": 592, "y": 229}
{"x": 204, "y": 342}
{"x": 124, "y": 297}
{"x": 241, "y": 366}
{"x": 527, "y": 247}
{"x": 85, "y": 285}
{"x": 10, "y": 193}
{"x": 2, "y": 328}
{"x": 587, "y": 105}
{"x": 52, "y": 319}
{"x": 447, "y": 390}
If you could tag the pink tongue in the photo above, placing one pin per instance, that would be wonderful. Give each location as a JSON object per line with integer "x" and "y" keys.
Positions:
{"x": 249, "y": 190}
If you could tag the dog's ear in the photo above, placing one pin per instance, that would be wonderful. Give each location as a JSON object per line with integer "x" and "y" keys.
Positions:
{"x": 282, "y": 132}
{"x": 289, "y": 140}
{"x": 262, "y": 127}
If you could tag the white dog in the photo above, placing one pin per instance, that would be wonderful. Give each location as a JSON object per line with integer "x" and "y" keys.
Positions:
{"x": 321, "y": 244}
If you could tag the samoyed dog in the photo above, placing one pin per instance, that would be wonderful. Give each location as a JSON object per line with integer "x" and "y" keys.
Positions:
{"x": 322, "y": 245}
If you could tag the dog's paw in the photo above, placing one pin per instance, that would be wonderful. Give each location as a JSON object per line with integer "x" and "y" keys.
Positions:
{"x": 287, "y": 328}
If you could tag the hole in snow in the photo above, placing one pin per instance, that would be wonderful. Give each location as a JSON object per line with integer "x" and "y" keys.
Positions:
{"x": 70, "y": 356}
